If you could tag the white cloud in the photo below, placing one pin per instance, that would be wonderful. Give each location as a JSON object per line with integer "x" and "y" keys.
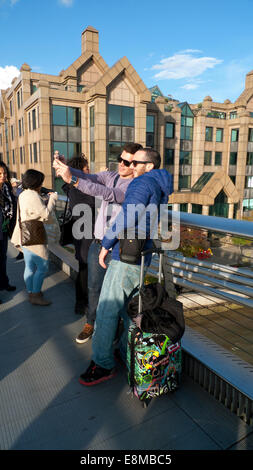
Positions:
{"x": 7, "y": 74}
{"x": 190, "y": 86}
{"x": 66, "y": 3}
{"x": 184, "y": 65}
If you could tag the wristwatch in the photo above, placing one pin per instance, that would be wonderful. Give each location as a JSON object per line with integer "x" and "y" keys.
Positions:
{"x": 74, "y": 180}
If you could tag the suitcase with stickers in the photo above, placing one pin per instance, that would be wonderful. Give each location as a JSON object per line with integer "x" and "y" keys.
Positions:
{"x": 154, "y": 357}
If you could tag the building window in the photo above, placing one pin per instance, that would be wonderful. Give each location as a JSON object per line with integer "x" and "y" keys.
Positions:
{"x": 92, "y": 136}
{"x": 247, "y": 205}
{"x": 120, "y": 130}
{"x": 19, "y": 128}
{"x": 38, "y": 117}
{"x": 12, "y": 132}
{"x": 248, "y": 181}
{"x": 184, "y": 182}
{"x": 92, "y": 116}
{"x": 209, "y": 134}
{"x": 35, "y": 155}
{"x": 184, "y": 207}
{"x": 11, "y": 108}
{"x": 31, "y": 153}
{"x": 233, "y": 115}
{"x": 20, "y": 98}
{"x": 249, "y": 158}
{"x": 33, "y": 88}
{"x": 66, "y": 131}
{"x": 233, "y": 158}
{"x": 234, "y": 135}
{"x": 150, "y": 131}
{"x": 186, "y": 128}
{"x": 21, "y": 155}
{"x": 187, "y": 121}
{"x": 196, "y": 208}
{"x": 13, "y": 157}
{"x": 218, "y": 158}
{"x": 29, "y": 122}
{"x": 219, "y": 135}
{"x": 185, "y": 158}
{"x": 92, "y": 151}
{"x": 168, "y": 157}
{"x": 66, "y": 116}
{"x": 170, "y": 130}
{"x": 250, "y": 135}
{"x": 216, "y": 114}
{"x": 208, "y": 158}
{"x": 34, "y": 119}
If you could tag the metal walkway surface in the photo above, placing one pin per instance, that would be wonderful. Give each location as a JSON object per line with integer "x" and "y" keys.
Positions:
{"x": 43, "y": 406}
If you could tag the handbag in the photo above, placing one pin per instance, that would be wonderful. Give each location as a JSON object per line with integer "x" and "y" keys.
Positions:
{"x": 130, "y": 249}
{"x": 66, "y": 236}
{"x": 32, "y": 232}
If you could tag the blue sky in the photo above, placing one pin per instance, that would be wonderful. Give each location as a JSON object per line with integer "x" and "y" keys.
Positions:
{"x": 189, "y": 49}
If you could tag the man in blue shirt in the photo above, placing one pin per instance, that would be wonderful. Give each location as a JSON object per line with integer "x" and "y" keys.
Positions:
{"x": 150, "y": 187}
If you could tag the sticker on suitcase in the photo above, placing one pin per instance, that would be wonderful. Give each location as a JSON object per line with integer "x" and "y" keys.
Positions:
{"x": 154, "y": 363}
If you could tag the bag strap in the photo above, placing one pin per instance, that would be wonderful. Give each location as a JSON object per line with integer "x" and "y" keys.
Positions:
{"x": 116, "y": 180}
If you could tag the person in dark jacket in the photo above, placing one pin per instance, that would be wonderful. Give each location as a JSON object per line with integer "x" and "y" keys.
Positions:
{"x": 81, "y": 246}
{"x": 7, "y": 223}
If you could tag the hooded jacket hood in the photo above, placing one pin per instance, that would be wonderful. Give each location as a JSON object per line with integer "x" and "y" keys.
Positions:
{"x": 164, "y": 179}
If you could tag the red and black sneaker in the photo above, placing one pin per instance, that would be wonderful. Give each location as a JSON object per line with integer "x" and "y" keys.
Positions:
{"x": 95, "y": 375}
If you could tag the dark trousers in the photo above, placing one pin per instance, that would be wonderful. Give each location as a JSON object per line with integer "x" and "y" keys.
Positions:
{"x": 4, "y": 281}
{"x": 81, "y": 284}
{"x": 96, "y": 277}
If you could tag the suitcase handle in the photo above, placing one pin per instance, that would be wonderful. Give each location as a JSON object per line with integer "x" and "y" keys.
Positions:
{"x": 143, "y": 253}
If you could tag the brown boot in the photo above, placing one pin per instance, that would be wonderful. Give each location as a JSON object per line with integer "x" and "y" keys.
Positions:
{"x": 38, "y": 299}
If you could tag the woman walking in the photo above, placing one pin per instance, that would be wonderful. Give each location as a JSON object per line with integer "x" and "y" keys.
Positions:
{"x": 32, "y": 207}
{"x": 7, "y": 222}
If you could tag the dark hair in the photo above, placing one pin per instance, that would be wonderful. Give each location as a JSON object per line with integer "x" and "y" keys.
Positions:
{"x": 78, "y": 162}
{"x": 5, "y": 167}
{"x": 32, "y": 179}
{"x": 153, "y": 156}
{"x": 131, "y": 147}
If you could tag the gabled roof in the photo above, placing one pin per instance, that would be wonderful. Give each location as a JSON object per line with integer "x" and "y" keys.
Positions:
{"x": 122, "y": 66}
{"x": 210, "y": 184}
{"x": 84, "y": 59}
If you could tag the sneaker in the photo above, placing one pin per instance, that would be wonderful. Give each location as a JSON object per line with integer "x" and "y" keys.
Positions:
{"x": 85, "y": 334}
{"x": 96, "y": 374}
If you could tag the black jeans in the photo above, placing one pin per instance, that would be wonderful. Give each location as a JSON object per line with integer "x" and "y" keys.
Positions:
{"x": 82, "y": 284}
{"x": 4, "y": 280}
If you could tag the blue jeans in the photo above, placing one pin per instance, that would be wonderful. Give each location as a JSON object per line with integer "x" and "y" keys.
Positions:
{"x": 96, "y": 276}
{"x": 36, "y": 269}
{"x": 119, "y": 282}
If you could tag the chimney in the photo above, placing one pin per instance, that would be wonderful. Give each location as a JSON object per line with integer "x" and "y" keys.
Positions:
{"x": 90, "y": 40}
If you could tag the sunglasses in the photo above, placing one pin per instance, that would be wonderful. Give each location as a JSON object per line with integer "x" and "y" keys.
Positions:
{"x": 125, "y": 162}
{"x": 135, "y": 163}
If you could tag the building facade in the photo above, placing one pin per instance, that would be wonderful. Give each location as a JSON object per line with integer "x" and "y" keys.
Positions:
{"x": 95, "y": 109}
